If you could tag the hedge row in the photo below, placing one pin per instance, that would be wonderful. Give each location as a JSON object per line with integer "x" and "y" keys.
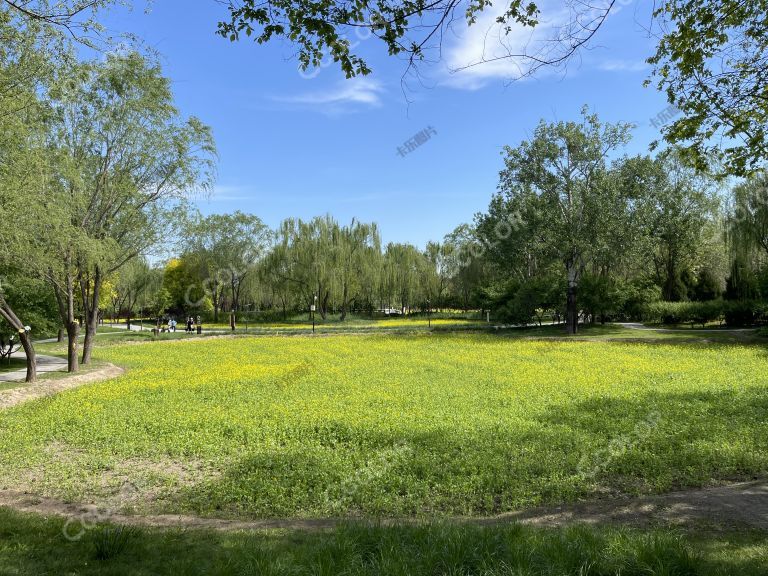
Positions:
{"x": 732, "y": 313}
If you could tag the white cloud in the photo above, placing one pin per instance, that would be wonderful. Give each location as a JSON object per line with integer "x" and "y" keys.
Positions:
{"x": 361, "y": 91}
{"x": 485, "y": 52}
{"x": 623, "y": 66}
{"x": 224, "y": 193}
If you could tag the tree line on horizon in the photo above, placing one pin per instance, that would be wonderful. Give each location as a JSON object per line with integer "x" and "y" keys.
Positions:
{"x": 570, "y": 233}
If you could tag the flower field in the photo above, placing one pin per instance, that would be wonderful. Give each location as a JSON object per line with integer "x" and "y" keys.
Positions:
{"x": 446, "y": 424}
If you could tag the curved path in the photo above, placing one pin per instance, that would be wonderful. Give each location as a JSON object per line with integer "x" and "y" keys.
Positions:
{"x": 742, "y": 505}
{"x": 44, "y": 388}
{"x": 45, "y": 364}
{"x": 639, "y": 326}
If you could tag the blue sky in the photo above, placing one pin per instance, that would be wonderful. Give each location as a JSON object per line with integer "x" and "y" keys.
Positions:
{"x": 306, "y": 144}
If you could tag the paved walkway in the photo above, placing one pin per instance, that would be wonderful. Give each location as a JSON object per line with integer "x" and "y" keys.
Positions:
{"x": 639, "y": 326}
{"x": 44, "y": 364}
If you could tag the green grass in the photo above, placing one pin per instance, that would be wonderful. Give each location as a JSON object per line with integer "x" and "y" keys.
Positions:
{"x": 34, "y": 546}
{"x": 12, "y": 364}
{"x": 385, "y": 425}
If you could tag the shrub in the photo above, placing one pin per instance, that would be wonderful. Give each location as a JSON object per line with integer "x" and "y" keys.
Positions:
{"x": 684, "y": 312}
{"x": 744, "y": 313}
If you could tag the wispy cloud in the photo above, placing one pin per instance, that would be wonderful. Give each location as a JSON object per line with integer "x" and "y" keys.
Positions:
{"x": 223, "y": 193}
{"x": 623, "y": 66}
{"x": 485, "y": 51}
{"x": 357, "y": 91}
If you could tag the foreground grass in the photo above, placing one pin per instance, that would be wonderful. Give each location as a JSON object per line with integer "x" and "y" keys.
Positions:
{"x": 440, "y": 424}
{"x": 31, "y": 545}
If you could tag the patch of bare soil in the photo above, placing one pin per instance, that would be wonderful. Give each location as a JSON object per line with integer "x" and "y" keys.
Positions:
{"x": 742, "y": 505}
{"x": 43, "y": 388}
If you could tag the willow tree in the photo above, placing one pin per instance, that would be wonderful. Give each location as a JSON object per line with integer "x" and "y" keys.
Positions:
{"x": 126, "y": 158}
{"x": 403, "y": 275}
{"x": 28, "y": 52}
{"x": 356, "y": 247}
{"x": 227, "y": 248}
{"x": 748, "y": 223}
{"x": 304, "y": 254}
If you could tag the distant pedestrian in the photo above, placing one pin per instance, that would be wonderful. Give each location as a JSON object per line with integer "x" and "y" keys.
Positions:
{"x": 189, "y": 324}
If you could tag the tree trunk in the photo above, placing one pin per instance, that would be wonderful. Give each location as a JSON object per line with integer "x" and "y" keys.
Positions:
{"x": 344, "y": 303}
{"x": 60, "y": 335}
{"x": 29, "y": 351}
{"x": 324, "y": 307}
{"x": 572, "y": 313}
{"x": 65, "y": 300}
{"x": 9, "y": 315}
{"x": 73, "y": 331}
{"x": 91, "y": 308}
{"x": 91, "y": 325}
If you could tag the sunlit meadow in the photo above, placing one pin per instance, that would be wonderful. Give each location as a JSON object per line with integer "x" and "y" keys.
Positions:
{"x": 447, "y": 424}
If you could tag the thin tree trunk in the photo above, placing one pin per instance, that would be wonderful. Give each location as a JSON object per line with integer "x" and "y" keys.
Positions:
{"x": 29, "y": 351}
{"x": 10, "y": 316}
{"x": 572, "y": 313}
{"x": 65, "y": 300}
{"x": 91, "y": 306}
{"x": 73, "y": 331}
{"x": 344, "y": 303}
{"x": 324, "y": 306}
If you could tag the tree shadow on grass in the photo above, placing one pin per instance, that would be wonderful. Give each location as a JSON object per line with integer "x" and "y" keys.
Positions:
{"x": 651, "y": 443}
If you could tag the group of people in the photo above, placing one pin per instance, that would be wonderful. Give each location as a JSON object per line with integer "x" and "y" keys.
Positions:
{"x": 190, "y": 326}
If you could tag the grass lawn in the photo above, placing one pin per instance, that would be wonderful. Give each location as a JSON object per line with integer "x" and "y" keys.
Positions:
{"x": 351, "y": 324}
{"x": 31, "y": 545}
{"x": 11, "y": 364}
{"x": 384, "y": 425}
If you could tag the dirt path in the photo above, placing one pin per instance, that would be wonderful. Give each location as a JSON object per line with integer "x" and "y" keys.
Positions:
{"x": 736, "y": 505}
{"x": 44, "y": 388}
{"x": 743, "y": 504}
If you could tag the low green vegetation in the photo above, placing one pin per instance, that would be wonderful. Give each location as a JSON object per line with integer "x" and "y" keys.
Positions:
{"x": 31, "y": 545}
{"x": 11, "y": 364}
{"x": 422, "y": 424}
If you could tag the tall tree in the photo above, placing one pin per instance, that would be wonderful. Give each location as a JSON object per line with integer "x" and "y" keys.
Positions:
{"x": 126, "y": 159}
{"x": 28, "y": 54}
{"x": 681, "y": 201}
{"x": 356, "y": 246}
{"x": 227, "y": 247}
{"x": 560, "y": 175}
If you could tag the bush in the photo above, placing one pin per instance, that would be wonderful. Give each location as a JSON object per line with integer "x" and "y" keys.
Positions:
{"x": 744, "y": 313}
{"x": 684, "y": 312}
{"x": 734, "y": 313}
